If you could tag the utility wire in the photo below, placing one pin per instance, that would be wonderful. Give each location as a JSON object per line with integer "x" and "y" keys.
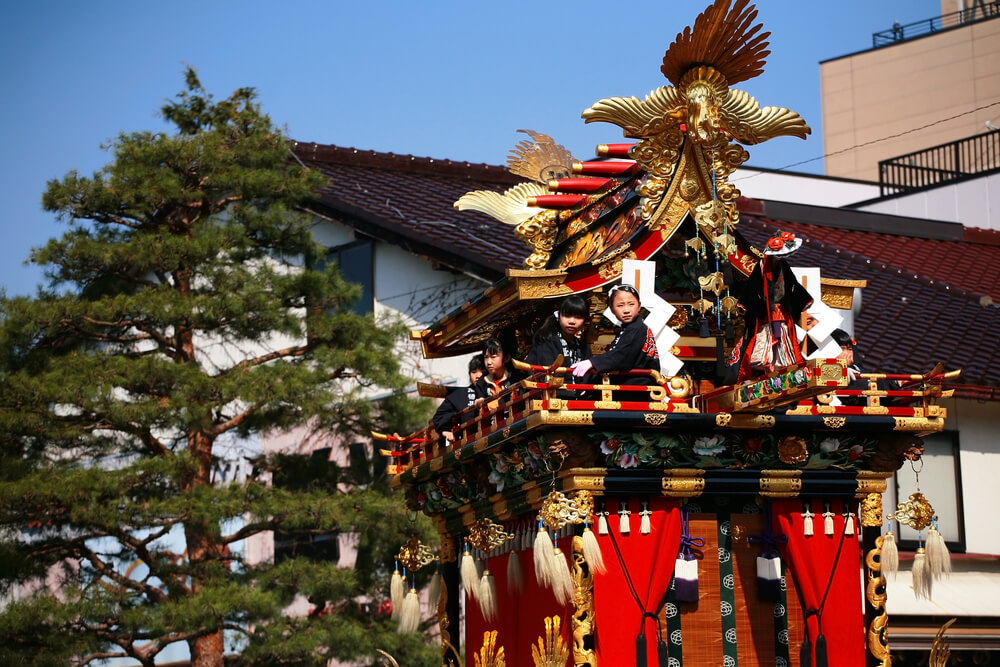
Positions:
{"x": 873, "y": 141}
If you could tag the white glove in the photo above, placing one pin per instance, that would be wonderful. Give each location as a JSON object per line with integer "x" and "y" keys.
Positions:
{"x": 581, "y": 368}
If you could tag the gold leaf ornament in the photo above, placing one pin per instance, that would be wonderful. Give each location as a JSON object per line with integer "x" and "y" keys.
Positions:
{"x": 551, "y": 651}
{"x": 487, "y": 535}
{"x": 490, "y": 655}
{"x": 414, "y": 555}
{"x": 559, "y": 510}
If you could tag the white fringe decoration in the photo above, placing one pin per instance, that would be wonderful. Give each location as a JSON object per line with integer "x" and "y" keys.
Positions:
{"x": 922, "y": 579}
{"x": 890, "y": 555}
{"x": 470, "y": 575}
{"x": 397, "y": 589}
{"x": 434, "y": 590}
{"x": 409, "y": 617}
{"x": 488, "y": 595}
{"x": 623, "y": 520}
{"x": 828, "y": 521}
{"x": 543, "y": 556}
{"x": 592, "y": 552}
{"x": 562, "y": 580}
{"x": 807, "y": 520}
{"x": 938, "y": 555}
{"x": 602, "y": 523}
{"x": 515, "y": 577}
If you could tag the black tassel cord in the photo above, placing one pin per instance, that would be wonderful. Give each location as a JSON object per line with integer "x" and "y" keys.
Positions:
{"x": 805, "y": 657}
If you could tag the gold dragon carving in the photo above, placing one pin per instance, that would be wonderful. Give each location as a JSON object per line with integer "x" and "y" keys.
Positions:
{"x": 583, "y": 609}
{"x": 878, "y": 631}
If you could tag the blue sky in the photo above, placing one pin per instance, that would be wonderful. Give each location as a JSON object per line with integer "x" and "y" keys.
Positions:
{"x": 437, "y": 79}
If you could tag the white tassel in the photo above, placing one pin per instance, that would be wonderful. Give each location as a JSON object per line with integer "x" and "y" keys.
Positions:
{"x": 807, "y": 520}
{"x": 890, "y": 555}
{"x": 488, "y": 595}
{"x": 434, "y": 590}
{"x": 543, "y": 556}
{"x": 848, "y": 522}
{"x": 515, "y": 578}
{"x": 397, "y": 589}
{"x": 562, "y": 580}
{"x": 937, "y": 553}
{"x": 592, "y": 552}
{"x": 828, "y": 521}
{"x": 922, "y": 579}
{"x": 409, "y": 617}
{"x": 644, "y": 526}
{"x": 470, "y": 575}
{"x": 602, "y": 523}
{"x": 623, "y": 520}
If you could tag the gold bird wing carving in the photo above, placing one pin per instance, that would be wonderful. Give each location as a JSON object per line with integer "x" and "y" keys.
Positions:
{"x": 510, "y": 208}
{"x": 748, "y": 123}
{"x": 541, "y": 159}
{"x": 662, "y": 109}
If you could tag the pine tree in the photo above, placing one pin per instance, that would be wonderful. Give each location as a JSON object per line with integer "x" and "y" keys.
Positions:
{"x": 183, "y": 307}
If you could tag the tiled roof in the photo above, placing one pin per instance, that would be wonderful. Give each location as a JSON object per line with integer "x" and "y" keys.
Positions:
{"x": 411, "y": 199}
{"x": 930, "y": 285}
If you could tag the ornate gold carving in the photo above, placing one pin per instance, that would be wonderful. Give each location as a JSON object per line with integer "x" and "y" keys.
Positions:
{"x": 878, "y": 633}
{"x": 871, "y": 510}
{"x": 541, "y": 160}
{"x": 486, "y": 535}
{"x": 792, "y": 450}
{"x": 448, "y": 651}
{"x": 831, "y": 372}
{"x": 541, "y": 288}
{"x": 916, "y": 512}
{"x": 608, "y": 405}
{"x": 550, "y": 651}
{"x": 589, "y": 479}
{"x": 834, "y": 422}
{"x": 611, "y": 270}
{"x": 871, "y": 482}
{"x": 583, "y": 608}
{"x": 916, "y": 424}
{"x": 780, "y": 483}
{"x": 559, "y": 510}
{"x": 722, "y": 419}
{"x": 655, "y": 418}
{"x": 448, "y": 553}
{"x": 415, "y": 555}
{"x": 683, "y": 482}
{"x": 564, "y": 417}
{"x": 940, "y": 650}
{"x": 490, "y": 655}
{"x": 539, "y": 232}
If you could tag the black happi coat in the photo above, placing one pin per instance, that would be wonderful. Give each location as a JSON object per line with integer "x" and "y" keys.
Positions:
{"x": 457, "y": 399}
{"x": 544, "y": 353}
{"x": 633, "y": 347}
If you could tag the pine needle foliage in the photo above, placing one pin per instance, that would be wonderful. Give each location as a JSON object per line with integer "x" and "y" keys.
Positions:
{"x": 182, "y": 310}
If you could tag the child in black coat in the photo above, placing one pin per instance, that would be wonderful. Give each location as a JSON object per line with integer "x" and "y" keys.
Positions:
{"x": 562, "y": 334}
{"x": 633, "y": 347}
{"x": 458, "y": 399}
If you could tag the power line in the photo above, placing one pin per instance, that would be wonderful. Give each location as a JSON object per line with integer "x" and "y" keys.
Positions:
{"x": 875, "y": 141}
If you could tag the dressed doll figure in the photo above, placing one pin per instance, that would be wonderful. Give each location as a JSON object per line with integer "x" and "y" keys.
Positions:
{"x": 633, "y": 346}
{"x": 773, "y": 301}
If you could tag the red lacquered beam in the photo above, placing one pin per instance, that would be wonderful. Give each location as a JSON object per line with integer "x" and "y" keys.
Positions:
{"x": 557, "y": 201}
{"x": 605, "y": 168}
{"x": 584, "y": 185}
{"x": 614, "y": 150}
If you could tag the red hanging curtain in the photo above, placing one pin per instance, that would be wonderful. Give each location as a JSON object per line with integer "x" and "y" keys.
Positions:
{"x": 811, "y": 560}
{"x": 520, "y": 618}
{"x": 649, "y": 560}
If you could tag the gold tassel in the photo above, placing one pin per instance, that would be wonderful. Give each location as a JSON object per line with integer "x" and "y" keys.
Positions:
{"x": 922, "y": 578}
{"x": 890, "y": 555}
{"x": 515, "y": 578}
{"x": 488, "y": 595}
{"x": 937, "y": 553}
{"x": 434, "y": 590}
{"x": 470, "y": 574}
{"x": 592, "y": 552}
{"x": 409, "y": 617}
{"x": 397, "y": 589}
{"x": 562, "y": 580}
{"x": 543, "y": 556}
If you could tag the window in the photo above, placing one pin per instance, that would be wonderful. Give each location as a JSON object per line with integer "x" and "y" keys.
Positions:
{"x": 939, "y": 482}
{"x": 356, "y": 263}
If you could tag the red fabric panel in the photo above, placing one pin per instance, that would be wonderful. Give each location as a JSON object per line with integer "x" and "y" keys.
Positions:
{"x": 650, "y": 562}
{"x": 520, "y": 618}
{"x": 811, "y": 560}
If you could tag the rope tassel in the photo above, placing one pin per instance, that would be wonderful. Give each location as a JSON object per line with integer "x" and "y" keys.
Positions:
{"x": 409, "y": 617}
{"x": 890, "y": 555}
{"x": 592, "y": 551}
{"x": 470, "y": 574}
{"x": 397, "y": 589}
{"x": 515, "y": 577}
{"x": 562, "y": 580}
{"x": 488, "y": 595}
{"x": 938, "y": 555}
{"x": 543, "y": 556}
{"x": 686, "y": 565}
{"x": 623, "y": 519}
{"x": 922, "y": 577}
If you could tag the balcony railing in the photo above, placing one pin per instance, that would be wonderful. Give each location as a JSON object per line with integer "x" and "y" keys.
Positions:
{"x": 979, "y": 11}
{"x": 941, "y": 164}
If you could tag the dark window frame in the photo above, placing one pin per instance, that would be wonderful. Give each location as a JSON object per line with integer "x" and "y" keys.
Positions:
{"x": 955, "y": 546}
{"x": 365, "y": 277}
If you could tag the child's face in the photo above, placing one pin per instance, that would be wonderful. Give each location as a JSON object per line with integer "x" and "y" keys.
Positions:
{"x": 625, "y": 306}
{"x": 494, "y": 364}
{"x": 572, "y": 326}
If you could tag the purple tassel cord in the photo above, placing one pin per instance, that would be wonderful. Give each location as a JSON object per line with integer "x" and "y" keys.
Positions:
{"x": 769, "y": 561}
{"x": 686, "y": 566}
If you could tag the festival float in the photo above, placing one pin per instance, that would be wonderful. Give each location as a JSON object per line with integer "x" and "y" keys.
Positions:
{"x": 727, "y": 510}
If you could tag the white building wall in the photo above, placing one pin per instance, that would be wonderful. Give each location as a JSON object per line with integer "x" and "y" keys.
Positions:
{"x": 974, "y": 203}
{"x": 801, "y": 188}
